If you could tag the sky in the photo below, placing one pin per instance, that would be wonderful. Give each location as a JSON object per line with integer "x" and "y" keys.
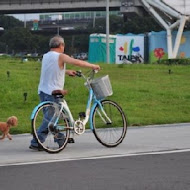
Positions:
{"x": 182, "y": 6}
{"x": 27, "y": 16}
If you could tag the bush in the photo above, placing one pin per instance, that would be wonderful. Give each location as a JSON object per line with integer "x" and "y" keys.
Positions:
{"x": 174, "y": 61}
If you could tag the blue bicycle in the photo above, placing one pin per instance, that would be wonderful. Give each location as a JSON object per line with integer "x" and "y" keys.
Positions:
{"x": 107, "y": 119}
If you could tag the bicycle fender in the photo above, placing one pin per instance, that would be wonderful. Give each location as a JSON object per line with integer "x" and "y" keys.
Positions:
{"x": 37, "y": 107}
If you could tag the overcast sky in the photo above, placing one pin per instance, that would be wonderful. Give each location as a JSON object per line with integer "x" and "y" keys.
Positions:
{"x": 182, "y": 6}
{"x": 27, "y": 16}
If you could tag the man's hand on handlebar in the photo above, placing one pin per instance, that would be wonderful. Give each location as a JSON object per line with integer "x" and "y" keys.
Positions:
{"x": 71, "y": 73}
{"x": 95, "y": 67}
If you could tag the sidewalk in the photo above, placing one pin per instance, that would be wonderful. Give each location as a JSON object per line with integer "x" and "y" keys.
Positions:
{"x": 138, "y": 140}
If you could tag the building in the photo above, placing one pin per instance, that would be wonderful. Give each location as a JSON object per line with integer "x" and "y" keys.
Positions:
{"x": 75, "y": 15}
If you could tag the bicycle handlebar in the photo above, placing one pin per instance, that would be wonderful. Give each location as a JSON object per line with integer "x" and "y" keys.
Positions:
{"x": 78, "y": 73}
{"x": 90, "y": 75}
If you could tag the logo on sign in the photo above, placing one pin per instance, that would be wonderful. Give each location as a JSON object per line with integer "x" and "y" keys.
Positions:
{"x": 130, "y": 53}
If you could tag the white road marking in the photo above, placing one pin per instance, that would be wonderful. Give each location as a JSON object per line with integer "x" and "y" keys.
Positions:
{"x": 98, "y": 157}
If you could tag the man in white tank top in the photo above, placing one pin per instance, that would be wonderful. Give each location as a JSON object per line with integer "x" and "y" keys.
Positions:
{"x": 53, "y": 77}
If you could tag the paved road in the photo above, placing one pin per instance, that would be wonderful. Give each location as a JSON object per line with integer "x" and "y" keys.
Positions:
{"x": 143, "y": 172}
{"x": 139, "y": 140}
{"x": 150, "y": 158}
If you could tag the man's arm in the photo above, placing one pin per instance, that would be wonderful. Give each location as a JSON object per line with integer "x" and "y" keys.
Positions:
{"x": 69, "y": 60}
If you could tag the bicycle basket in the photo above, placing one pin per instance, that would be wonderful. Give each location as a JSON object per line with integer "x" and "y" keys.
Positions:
{"x": 102, "y": 87}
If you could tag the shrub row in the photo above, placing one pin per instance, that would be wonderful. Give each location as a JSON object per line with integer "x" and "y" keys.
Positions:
{"x": 174, "y": 61}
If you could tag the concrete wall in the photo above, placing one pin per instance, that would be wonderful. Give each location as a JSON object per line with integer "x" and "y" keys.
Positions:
{"x": 33, "y": 6}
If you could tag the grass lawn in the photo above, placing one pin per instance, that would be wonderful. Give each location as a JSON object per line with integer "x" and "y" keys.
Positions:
{"x": 147, "y": 93}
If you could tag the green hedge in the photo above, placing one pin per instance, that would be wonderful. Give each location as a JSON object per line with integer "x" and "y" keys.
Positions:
{"x": 174, "y": 61}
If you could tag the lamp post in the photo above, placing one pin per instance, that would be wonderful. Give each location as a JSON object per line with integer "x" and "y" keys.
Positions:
{"x": 54, "y": 23}
{"x": 58, "y": 30}
{"x": 107, "y": 33}
{"x": 24, "y": 20}
{"x": 7, "y": 49}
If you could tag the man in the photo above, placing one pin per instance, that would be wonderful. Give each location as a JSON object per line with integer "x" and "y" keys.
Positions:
{"x": 53, "y": 77}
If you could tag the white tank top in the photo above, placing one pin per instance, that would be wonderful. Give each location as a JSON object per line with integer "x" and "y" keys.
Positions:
{"x": 52, "y": 77}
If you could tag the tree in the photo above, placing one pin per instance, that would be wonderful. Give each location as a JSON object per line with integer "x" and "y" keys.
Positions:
{"x": 8, "y": 22}
{"x": 134, "y": 25}
{"x": 138, "y": 25}
{"x": 18, "y": 39}
{"x": 22, "y": 40}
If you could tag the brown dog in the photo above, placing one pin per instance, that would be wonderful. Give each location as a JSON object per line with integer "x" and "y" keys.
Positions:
{"x": 5, "y": 127}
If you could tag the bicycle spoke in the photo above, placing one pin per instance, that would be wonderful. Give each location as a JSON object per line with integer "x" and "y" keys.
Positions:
{"x": 51, "y": 136}
{"x": 109, "y": 132}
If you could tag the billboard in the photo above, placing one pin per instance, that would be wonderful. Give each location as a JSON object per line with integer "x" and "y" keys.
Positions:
{"x": 129, "y": 49}
{"x": 158, "y": 45}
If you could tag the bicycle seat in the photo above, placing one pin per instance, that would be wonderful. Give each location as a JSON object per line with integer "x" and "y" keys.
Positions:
{"x": 59, "y": 93}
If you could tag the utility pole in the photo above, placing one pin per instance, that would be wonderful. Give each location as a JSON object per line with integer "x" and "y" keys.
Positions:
{"x": 24, "y": 20}
{"x": 94, "y": 19}
{"x": 107, "y": 33}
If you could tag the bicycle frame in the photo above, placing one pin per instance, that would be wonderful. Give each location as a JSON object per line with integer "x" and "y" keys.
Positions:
{"x": 91, "y": 105}
{"x": 89, "y": 109}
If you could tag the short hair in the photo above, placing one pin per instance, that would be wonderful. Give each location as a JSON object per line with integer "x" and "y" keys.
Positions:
{"x": 56, "y": 41}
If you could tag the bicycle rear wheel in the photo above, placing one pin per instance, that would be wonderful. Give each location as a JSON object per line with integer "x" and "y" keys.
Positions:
{"x": 111, "y": 130}
{"x": 52, "y": 138}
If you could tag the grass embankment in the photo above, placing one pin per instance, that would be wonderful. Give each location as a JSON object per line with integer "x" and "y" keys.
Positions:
{"x": 147, "y": 93}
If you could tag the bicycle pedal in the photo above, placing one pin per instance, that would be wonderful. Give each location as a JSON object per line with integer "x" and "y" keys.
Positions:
{"x": 82, "y": 114}
{"x": 71, "y": 140}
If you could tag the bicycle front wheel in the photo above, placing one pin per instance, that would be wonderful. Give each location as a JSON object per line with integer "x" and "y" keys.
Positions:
{"x": 50, "y": 129}
{"x": 109, "y": 123}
